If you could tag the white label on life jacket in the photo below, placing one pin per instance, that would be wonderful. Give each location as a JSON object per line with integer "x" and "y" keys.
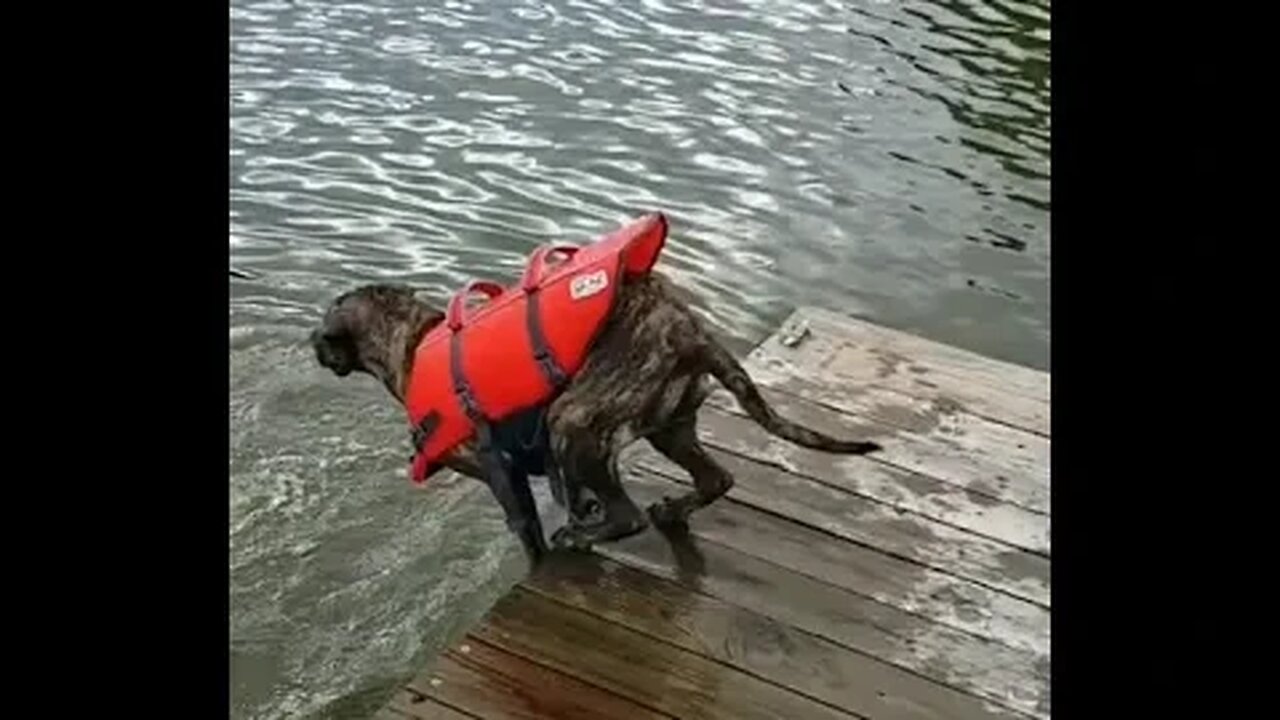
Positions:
{"x": 584, "y": 286}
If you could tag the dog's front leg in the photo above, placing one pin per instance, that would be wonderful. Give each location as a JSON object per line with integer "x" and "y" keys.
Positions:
{"x": 510, "y": 485}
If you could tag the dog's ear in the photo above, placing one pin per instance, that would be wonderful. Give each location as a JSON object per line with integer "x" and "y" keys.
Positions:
{"x": 429, "y": 299}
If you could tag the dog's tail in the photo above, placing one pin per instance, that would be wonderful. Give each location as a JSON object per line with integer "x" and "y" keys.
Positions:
{"x": 725, "y": 368}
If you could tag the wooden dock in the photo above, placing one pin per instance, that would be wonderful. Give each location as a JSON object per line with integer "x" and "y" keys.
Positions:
{"x": 909, "y": 585}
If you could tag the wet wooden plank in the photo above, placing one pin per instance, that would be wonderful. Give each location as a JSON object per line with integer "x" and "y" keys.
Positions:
{"x": 759, "y": 645}
{"x": 930, "y": 437}
{"x": 974, "y": 501}
{"x": 916, "y": 538}
{"x": 910, "y": 587}
{"x": 635, "y": 666}
{"x": 854, "y": 352}
{"x": 1011, "y": 676}
{"x": 963, "y": 364}
{"x": 412, "y": 704}
{"x": 486, "y": 682}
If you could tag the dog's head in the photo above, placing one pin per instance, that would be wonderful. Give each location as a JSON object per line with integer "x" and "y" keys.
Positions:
{"x": 372, "y": 329}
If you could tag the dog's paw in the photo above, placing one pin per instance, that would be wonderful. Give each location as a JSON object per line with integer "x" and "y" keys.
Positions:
{"x": 668, "y": 513}
{"x": 587, "y": 511}
{"x": 583, "y": 537}
{"x": 570, "y": 537}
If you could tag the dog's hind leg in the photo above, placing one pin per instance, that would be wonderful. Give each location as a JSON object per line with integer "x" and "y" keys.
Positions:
{"x": 622, "y": 518}
{"x": 585, "y": 457}
{"x": 677, "y": 438}
{"x": 710, "y": 480}
{"x": 581, "y": 508}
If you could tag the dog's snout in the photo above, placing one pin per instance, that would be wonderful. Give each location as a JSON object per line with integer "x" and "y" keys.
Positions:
{"x": 331, "y": 350}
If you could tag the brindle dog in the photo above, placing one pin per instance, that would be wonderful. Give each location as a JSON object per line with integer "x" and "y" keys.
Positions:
{"x": 645, "y": 376}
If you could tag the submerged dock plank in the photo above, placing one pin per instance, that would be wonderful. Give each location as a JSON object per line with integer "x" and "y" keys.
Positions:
{"x": 913, "y": 584}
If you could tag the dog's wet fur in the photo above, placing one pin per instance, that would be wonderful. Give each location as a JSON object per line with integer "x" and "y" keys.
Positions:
{"x": 645, "y": 376}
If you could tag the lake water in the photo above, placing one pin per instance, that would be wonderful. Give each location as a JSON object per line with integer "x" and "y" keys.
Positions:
{"x": 884, "y": 159}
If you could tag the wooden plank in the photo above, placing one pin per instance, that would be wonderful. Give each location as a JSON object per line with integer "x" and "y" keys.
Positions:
{"x": 964, "y": 364}
{"x": 486, "y": 682}
{"x": 409, "y": 703}
{"x": 853, "y": 353}
{"x": 761, "y": 646}
{"x": 928, "y": 437}
{"x": 908, "y": 586}
{"x": 916, "y": 538}
{"x": 652, "y": 673}
{"x": 964, "y": 500}
{"x": 1013, "y": 677}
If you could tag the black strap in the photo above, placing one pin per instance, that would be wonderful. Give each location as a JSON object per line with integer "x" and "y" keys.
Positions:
{"x": 420, "y": 433}
{"x": 551, "y": 369}
{"x": 461, "y": 387}
{"x": 489, "y": 453}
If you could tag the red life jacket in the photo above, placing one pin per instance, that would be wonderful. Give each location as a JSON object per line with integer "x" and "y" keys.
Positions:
{"x": 516, "y": 351}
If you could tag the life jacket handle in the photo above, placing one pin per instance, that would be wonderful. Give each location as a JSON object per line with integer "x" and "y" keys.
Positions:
{"x": 456, "y": 311}
{"x": 536, "y": 268}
